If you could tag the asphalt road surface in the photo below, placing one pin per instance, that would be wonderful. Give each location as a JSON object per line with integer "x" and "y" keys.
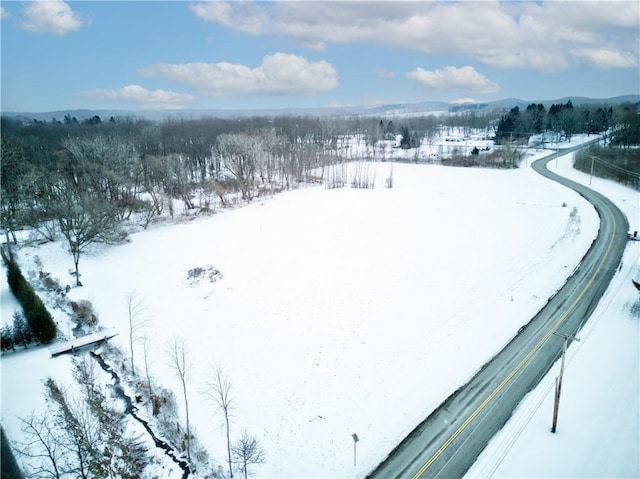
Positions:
{"x": 447, "y": 443}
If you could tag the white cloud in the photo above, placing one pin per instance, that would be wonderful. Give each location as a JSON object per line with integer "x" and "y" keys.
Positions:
{"x": 382, "y": 73}
{"x": 540, "y": 35}
{"x": 156, "y": 99}
{"x": 279, "y": 74}
{"x": 537, "y": 59}
{"x": 50, "y": 16}
{"x": 606, "y": 58}
{"x": 465, "y": 79}
{"x": 4, "y": 13}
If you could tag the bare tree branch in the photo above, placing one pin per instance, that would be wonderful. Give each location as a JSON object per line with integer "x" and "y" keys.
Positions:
{"x": 247, "y": 452}
{"x": 179, "y": 362}
{"x": 218, "y": 391}
{"x": 44, "y": 450}
{"x": 137, "y": 322}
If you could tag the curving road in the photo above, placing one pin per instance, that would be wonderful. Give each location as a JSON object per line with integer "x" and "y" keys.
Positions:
{"x": 447, "y": 443}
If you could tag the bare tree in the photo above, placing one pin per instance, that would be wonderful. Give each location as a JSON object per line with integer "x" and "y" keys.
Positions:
{"x": 145, "y": 355}
{"x": 182, "y": 367}
{"x": 42, "y": 447}
{"x": 155, "y": 206}
{"x": 389, "y": 180}
{"x": 247, "y": 452}
{"x": 218, "y": 391}
{"x": 238, "y": 152}
{"x": 155, "y": 176}
{"x": 179, "y": 181}
{"x": 14, "y": 170}
{"x": 81, "y": 431}
{"x": 108, "y": 166}
{"x": 137, "y": 322}
{"x": 83, "y": 220}
{"x": 82, "y": 435}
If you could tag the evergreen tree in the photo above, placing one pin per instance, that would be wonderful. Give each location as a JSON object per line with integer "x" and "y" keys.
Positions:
{"x": 405, "y": 141}
{"x": 6, "y": 338}
{"x": 22, "y": 335}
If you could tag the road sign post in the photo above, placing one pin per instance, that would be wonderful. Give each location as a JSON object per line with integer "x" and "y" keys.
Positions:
{"x": 355, "y": 441}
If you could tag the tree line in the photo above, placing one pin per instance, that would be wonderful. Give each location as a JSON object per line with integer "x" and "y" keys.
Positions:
{"x": 82, "y": 179}
{"x": 618, "y": 164}
{"x": 520, "y": 124}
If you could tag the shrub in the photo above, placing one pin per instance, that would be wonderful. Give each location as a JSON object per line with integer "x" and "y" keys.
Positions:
{"x": 83, "y": 313}
{"x": 50, "y": 283}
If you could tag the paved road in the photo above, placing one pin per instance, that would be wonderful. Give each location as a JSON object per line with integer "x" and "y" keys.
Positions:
{"x": 447, "y": 443}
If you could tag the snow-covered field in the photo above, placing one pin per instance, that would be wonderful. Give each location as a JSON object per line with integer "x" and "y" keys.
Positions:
{"x": 339, "y": 311}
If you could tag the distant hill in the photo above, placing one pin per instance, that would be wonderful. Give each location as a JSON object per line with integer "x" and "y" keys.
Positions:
{"x": 391, "y": 110}
{"x": 575, "y": 100}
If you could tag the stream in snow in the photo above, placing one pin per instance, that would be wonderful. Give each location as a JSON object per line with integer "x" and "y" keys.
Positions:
{"x": 131, "y": 410}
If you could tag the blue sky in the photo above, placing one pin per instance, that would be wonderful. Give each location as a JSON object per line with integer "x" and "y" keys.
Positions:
{"x": 236, "y": 55}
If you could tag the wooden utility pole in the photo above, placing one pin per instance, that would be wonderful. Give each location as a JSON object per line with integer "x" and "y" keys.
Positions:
{"x": 556, "y": 403}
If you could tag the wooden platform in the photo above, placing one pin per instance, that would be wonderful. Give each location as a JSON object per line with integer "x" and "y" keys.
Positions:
{"x": 75, "y": 344}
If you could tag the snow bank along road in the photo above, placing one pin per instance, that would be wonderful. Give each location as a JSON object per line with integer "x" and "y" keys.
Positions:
{"x": 448, "y": 442}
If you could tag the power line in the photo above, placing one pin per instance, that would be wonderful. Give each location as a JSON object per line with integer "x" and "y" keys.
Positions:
{"x": 615, "y": 167}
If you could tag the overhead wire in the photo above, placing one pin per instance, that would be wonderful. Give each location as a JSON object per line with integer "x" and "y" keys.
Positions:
{"x": 615, "y": 167}
{"x": 512, "y": 435}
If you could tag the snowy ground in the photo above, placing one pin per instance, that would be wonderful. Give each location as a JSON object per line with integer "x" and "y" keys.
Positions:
{"x": 338, "y": 312}
{"x": 598, "y": 433}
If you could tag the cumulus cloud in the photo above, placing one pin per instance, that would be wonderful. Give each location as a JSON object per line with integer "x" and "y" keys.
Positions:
{"x": 4, "y": 13}
{"x": 465, "y": 79}
{"x": 546, "y": 36}
{"x": 279, "y": 74}
{"x": 51, "y": 16}
{"x": 156, "y": 99}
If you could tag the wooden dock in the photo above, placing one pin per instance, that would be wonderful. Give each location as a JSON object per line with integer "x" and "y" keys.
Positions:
{"x": 82, "y": 342}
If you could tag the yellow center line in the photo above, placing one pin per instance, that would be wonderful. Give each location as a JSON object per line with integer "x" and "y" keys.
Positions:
{"x": 524, "y": 360}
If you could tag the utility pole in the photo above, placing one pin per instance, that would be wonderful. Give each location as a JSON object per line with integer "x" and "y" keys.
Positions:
{"x": 591, "y": 174}
{"x": 556, "y": 403}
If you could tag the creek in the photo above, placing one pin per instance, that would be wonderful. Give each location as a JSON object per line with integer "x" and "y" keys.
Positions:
{"x": 132, "y": 410}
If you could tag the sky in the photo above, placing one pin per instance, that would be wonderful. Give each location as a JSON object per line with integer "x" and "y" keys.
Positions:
{"x": 141, "y": 55}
